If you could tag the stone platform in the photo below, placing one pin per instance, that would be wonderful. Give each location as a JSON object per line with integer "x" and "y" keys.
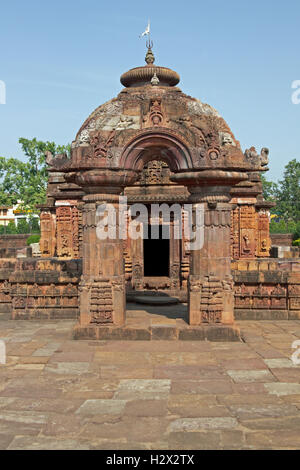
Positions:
{"x": 164, "y": 322}
{"x": 56, "y": 393}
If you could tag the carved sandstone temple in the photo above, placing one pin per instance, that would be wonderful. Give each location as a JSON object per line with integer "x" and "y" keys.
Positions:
{"x": 154, "y": 144}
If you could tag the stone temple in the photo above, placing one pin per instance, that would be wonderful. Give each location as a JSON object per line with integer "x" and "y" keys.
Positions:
{"x": 154, "y": 145}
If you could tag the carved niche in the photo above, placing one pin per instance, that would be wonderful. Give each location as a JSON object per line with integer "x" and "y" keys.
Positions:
{"x": 155, "y": 172}
{"x": 249, "y": 232}
{"x": 155, "y": 117}
{"x": 263, "y": 239}
{"x": 64, "y": 231}
{"x": 294, "y": 290}
{"x": 67, "y": 230}
{"x": 5, "y": 289}
{"x": 243, "y": 296}
{"x": 261, "y": 297}
{"x": 294, "y": 297}
{"x": 248, "y": 229}
{"x": 244, "y": 232}
{"x": 278, "y": 297}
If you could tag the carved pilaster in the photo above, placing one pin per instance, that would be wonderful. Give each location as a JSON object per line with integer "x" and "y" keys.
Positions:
{"x": 210, "y": 286}
{"x": 211, "y": 294}
{"x": 102, "y": 286}
{"x": 48, "y": 240}
{"x": 68, "y": 218}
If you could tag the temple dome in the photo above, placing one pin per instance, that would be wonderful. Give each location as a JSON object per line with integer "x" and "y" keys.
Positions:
{"x": 151, "y": 106}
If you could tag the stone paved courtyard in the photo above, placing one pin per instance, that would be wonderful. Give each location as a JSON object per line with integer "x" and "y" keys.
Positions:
{"x": 57, "y": 393}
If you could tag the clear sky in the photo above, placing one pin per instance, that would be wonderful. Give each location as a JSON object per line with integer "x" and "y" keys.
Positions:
{"x": 61, "y": 59}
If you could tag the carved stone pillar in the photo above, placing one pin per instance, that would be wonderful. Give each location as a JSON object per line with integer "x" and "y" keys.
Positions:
{"x": 67, "y": 229}
{"x": 48, "y": 229}
{"x": 210, "y": 281}
{"x": 210, "y": 286}
{"x": 102, "y": 286}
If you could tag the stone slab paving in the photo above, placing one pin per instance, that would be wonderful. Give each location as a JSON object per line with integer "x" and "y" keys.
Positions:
{"x": 57, "y": 393}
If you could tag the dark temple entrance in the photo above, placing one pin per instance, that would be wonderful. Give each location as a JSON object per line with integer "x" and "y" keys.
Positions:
{"x": 157, "y": 254}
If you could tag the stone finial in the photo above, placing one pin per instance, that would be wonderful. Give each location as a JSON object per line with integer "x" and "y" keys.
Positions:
{"x": 154, "y": 80}
{"x": 149, "y": 56}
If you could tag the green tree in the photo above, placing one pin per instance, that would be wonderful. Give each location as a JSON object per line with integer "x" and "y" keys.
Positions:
{"x": 26, "y": 181}
{"x": 23, "y": 226}
{"x": 10, "y": 228}
{"x": 270, "y": 189}
{"x": 288, "y": 201}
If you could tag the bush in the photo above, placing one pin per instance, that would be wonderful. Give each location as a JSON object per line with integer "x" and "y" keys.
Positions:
{"x": 34, "y": 225}
{"x": 278, "y": 227}
{"x": 23, "y": 226}
{"x": 285, "y": 227}
{"x": 33, "y": 239}
{"x": 297, "y": 231}
{"x": 296, "y": 242}
{"x": 10, "y": 228}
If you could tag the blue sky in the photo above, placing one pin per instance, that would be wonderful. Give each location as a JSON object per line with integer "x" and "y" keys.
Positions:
{"x": 61, "y": 59}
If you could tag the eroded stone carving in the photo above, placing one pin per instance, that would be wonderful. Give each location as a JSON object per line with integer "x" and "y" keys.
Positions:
{"x": 101, "y": 307}
{"x": 155, "y": 172}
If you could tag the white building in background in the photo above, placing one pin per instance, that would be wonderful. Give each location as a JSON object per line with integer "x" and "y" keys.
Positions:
{"x": 7, "y": 214}
{"x": 14, "y": 214}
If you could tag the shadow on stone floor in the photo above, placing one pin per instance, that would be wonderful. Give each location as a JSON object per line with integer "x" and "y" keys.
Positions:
{"x": 177, "y": 311}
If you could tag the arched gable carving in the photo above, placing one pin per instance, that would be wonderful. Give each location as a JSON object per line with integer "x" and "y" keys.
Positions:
{"x": 170, "y": 147}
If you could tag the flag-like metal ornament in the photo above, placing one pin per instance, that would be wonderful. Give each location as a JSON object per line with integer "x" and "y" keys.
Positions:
{"x": 147, "y": 30}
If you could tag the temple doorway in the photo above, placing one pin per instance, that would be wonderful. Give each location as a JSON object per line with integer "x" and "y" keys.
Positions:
{"x": 157, "y": 252}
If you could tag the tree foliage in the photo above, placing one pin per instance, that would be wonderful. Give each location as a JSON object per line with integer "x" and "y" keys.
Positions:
{"x": 26, "y": 181}
{"x": 270, "y": 189}
{"x": 286, "y": 194}
{"x": 288, "y": 203}
{"x": 24, "y": 226}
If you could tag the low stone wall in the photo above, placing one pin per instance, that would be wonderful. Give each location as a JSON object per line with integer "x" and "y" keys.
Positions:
{"x": 7, "y": 267}
{"x": 43, "y": 288}
{"x": 282, "y": 239}
{"x": 267, "y": 289}
{"x": 31, "y": 288}
{"x": 14, "y": 241}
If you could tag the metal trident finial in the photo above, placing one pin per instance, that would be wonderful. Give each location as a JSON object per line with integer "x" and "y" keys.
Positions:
{"x": 149, "y": 44}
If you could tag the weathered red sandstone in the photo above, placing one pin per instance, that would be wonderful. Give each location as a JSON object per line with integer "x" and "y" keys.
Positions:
{"x": 154, "y": 144}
